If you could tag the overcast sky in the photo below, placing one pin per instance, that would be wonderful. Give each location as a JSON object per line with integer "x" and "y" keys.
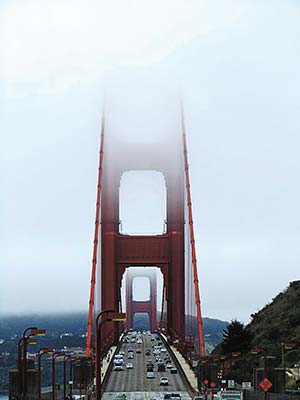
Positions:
{"x": 237, "y": 66}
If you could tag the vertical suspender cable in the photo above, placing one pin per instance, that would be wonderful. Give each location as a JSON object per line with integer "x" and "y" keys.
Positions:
{"x": 162, "y": 305}
{"x": 192, "y": 240}
{"x": 95, "y": 246}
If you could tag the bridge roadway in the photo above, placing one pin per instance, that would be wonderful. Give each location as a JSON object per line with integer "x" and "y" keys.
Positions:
{"x": 134, "y": 383}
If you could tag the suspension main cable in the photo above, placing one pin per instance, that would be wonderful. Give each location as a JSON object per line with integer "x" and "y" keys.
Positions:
{"x": 192, "y": 241}
{"x": 95, "y": 246}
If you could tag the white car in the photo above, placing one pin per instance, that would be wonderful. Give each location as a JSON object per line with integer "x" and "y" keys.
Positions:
{"x": 164, "y": 381}
{"x": 118, "y": 368}
{"x": 129, "y": 365}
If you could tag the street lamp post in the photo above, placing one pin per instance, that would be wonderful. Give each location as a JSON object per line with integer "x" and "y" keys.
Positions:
{"x": 287, "y": 346}
{"x": 71, "y": 375}
{"x": 40, "y": 354}
{"x": 261, "y": 350}
{"x": 20, "y": 362}
{"x": 55, "y": 355}
{"x": 66, "y": 358}
{"x": 27, "y": 338}
{"x": 223, "y": 359}
{"x": 110, "y": 315}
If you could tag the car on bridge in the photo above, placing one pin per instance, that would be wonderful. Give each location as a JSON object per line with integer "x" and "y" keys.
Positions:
{"x": 118, "y": 368}
{"x": 161, "y": 367}
{"x": 120, "y": 397}
{"x": 150, "y": 374}
{"x": 164, "y": 381}
{"x": 129, "y": 365}
{"x": 173, "y": 370}
{"x": 172, "y": 396}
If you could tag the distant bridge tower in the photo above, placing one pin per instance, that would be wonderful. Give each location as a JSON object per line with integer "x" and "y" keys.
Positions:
{"x": 148, "y": 306}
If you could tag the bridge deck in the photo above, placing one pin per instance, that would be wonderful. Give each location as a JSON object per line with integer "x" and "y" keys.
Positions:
{"x": 134, "y": 381}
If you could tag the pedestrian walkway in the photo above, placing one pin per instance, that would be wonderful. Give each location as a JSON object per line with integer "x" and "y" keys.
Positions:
{"x": 189, "y": 373}
{"x": 106, "y": 361}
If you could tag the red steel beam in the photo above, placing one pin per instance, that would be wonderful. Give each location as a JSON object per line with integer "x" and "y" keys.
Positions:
{"x": 192, "y": 240}
{"x": 95, "y": 246}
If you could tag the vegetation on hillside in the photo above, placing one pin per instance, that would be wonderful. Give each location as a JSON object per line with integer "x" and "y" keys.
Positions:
{"x": 275, "y": 324}
{"x": 236, "y": 338}
{"x": 278, "y": 322}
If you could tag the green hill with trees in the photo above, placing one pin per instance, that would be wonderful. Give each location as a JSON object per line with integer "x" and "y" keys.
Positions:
{"x": 275, "y": 324}
{"x": 278, "y": 322}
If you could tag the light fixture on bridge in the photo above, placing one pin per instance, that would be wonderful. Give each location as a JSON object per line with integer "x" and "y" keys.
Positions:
{"x": 117, "y": 317}
{"x": 38, "y": 332}
{"x": 31, "y": 340}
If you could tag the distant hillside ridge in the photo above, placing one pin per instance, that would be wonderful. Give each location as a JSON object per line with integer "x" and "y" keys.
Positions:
{"x": 76, "y": 325}
{"x": 213, "y": 332}
{"x": 212, "y": 329}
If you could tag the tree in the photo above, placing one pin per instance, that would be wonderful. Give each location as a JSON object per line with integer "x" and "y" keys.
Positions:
{"x": 236, "y": 338}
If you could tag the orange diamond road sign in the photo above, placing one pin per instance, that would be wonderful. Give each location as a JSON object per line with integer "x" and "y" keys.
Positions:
{"x": 265, "y": 384}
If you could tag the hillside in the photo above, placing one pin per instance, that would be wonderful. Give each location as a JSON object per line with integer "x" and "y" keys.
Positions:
{"x": 278, "y": 322}
{"x": 213, "y": 329}
{"x": 213, "y": 332}
{"x": 73, "y": 329}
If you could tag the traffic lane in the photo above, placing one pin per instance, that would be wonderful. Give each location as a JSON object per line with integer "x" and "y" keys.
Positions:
{"x": 140, "y": 395}
{"x": 132, "y": 380}
{"x": 128, "y": 379}
{"x": 175, "y": 381}
{"x": 135, "y": 379}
